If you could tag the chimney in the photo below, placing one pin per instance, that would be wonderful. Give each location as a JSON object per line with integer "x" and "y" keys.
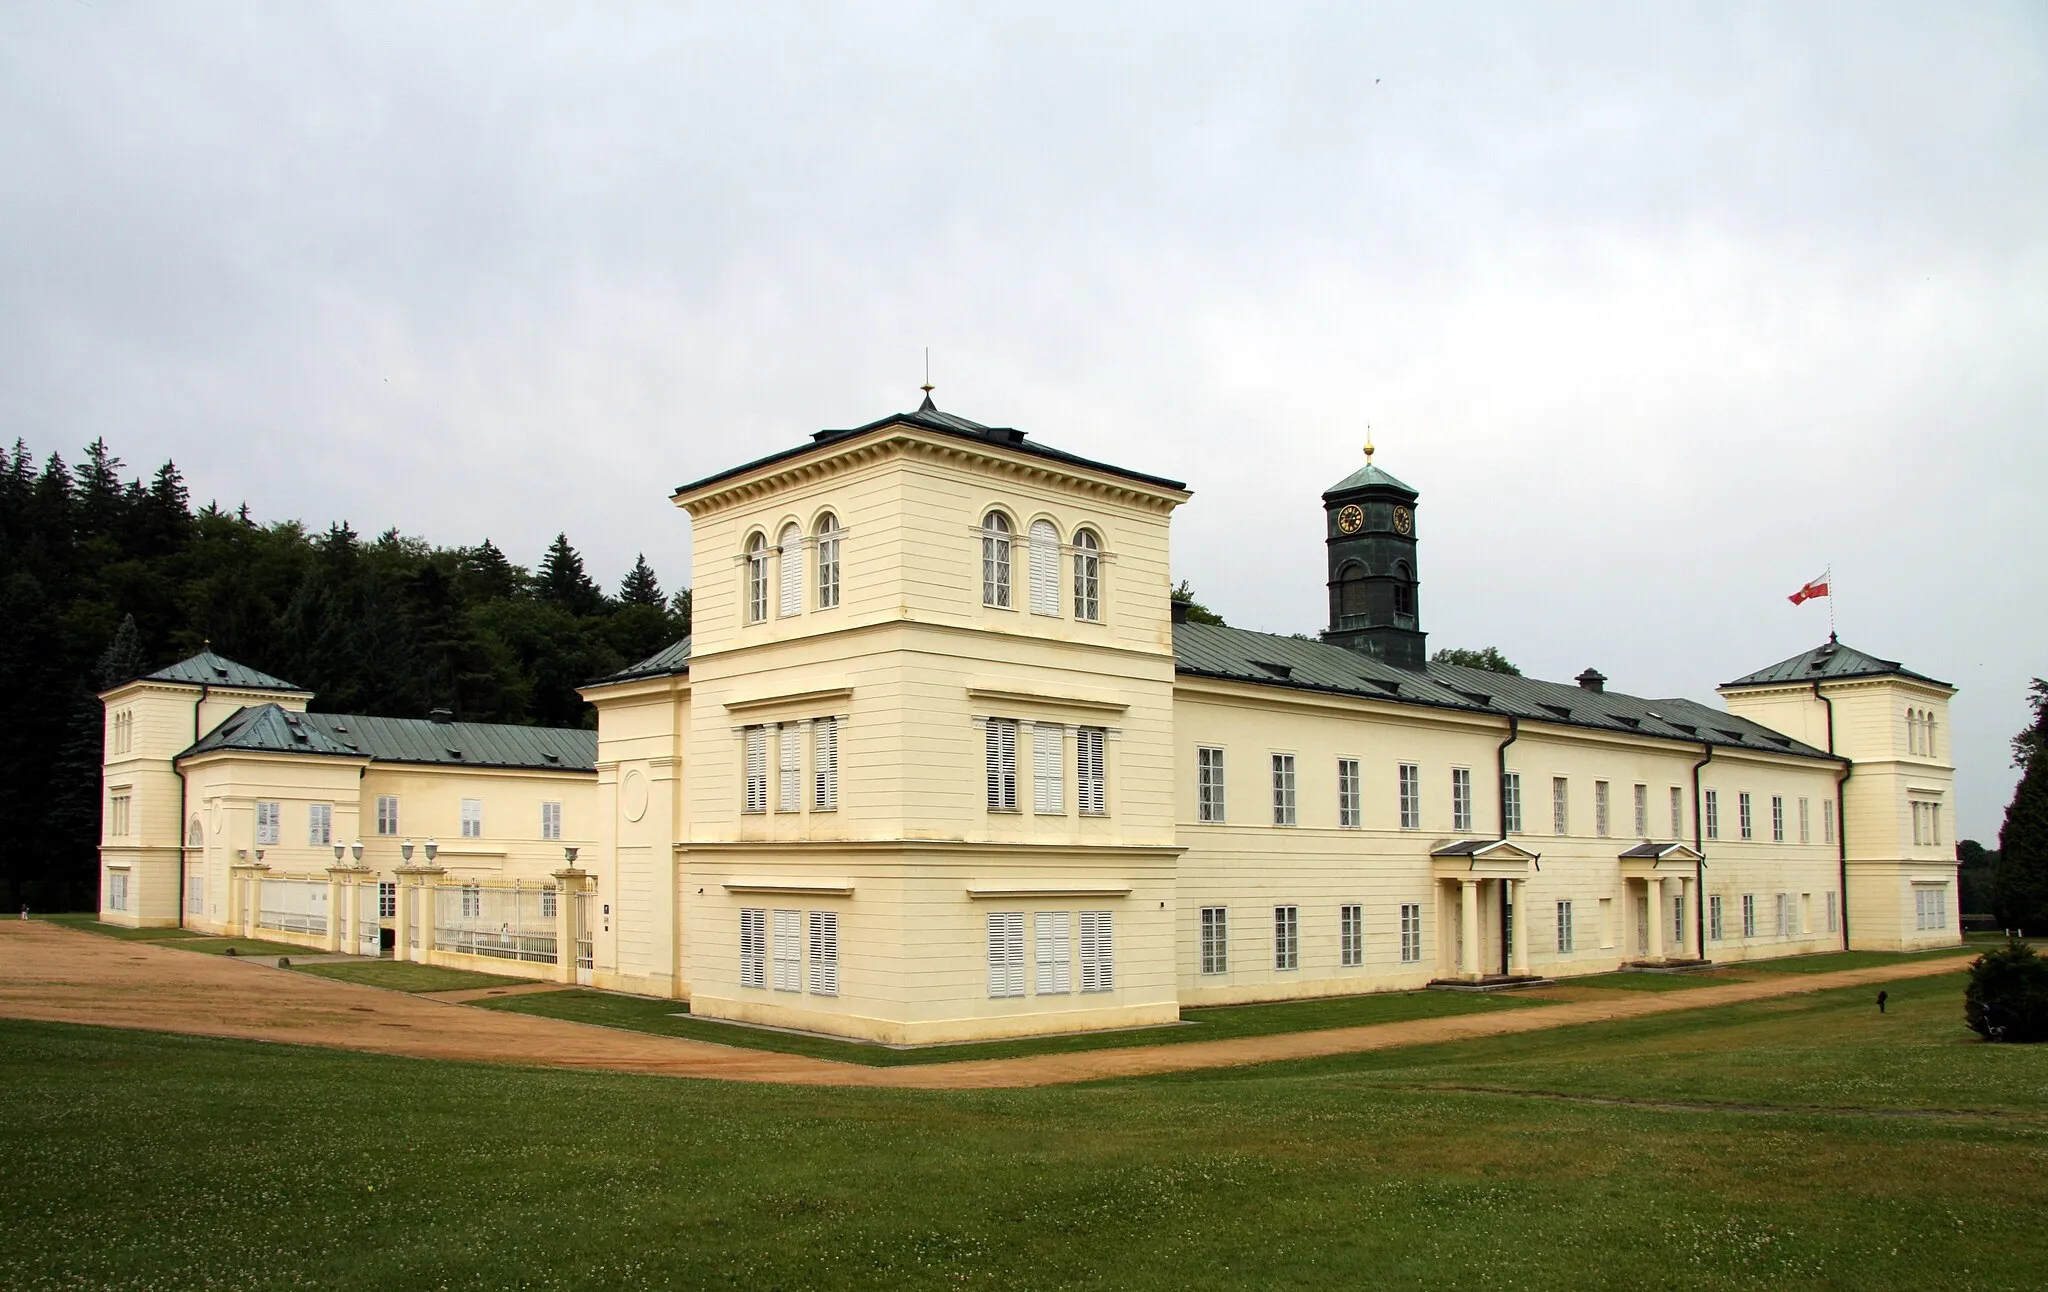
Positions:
{"x": 1180, "y": 611}
{"x": 1592, "y": 680}
{"x": 443, "y": 716}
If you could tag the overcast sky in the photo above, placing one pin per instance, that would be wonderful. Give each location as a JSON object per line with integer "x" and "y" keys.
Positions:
{"x": 1662, "y": 308}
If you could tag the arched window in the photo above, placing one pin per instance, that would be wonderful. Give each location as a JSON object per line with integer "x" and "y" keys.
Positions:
{"x": 1927, "y": 735}
{"x": 1351, "y": 592}
{"x": 1087, "y": 575}
{"x": 195, "y": 836}
{"x": 1912, "y": 731}
{"x": 791, "y": 545}
{"x": 757, "y": 578}
{"x": 995, "y": 560}
{"x": 828, "y": 561}
{"x": 1045, "y": 568}
{"x": 1404, "y": 597}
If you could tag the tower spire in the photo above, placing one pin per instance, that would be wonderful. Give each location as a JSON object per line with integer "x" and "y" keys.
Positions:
{"x": 927, "y": 406}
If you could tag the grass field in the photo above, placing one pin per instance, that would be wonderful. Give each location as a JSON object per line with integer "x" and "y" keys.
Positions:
{"x": 1798, "y": 1142}
{"x": 671, "y": 1018}
{"x": 400, "y": 975}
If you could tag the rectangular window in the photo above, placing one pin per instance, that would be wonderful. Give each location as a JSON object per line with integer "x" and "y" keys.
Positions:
{"x": 1564, "y": 928}
{"x": 1600, "y": 809}
{"x": 1411, "y": 796}
{"x": 1286, "y": 937}
{"x": 1834, "y": 915}
{"x": 1642, "y": 811}
{"x": 1048, "y": 768}
{"x": 1749, "y": 915}
{"x": 1349, "y": 811}
{"x": 1054, "y": 932}
{"x": 1560, "y": 805}
{"x": 1677, "y": 812}
{"x": 791, "y": 549}
{"x": 1936, "y": 898}
{"x": 1742, "y": 816}
{"x": 1777, "y": 818}
{"x": 1283, "y": 789}
{"x": 1713, "y": 814}
{"x": 195, "y": 894}
{"x": 387, "y": 814}
{"x": 269, "y": 823}
{"x": 117, "y": 818}
{"x": 1805, "y": 820}
{"x": 1351, "y": 936}
{"x": 117, "y": 890}
{"x": 1042, "y": 555}
{"x": 1784, "y": 915}
{"x": 1215, "y": 939}
{"x": 789, "y": 768}
{"x": 755, "y": 798}
{"x": 1098, "y": 951}
{"x": 1606, "y": 923}
{"x": 825, "y": 766}
{"x": 1461, "y": 799}
{"x": 550, "y": 906}
{"x": 1002, "y": 766}
{"x": 1714, "y": 917}
{"x": 1087, "y": 577}
{"x": 1091, "y": 782}
{"x": 319, "y": 825}
{"x": 387, "y": 901}
{"x": 1511, "y": 802}
{"x": 551, "y": 821}
{"x": 1209, "y": 784}
{"x": 1827, "y": 820}
{"x": 789, "y": 952}
{"x": 753, "y": 947}
{"x": 1411, "y": 932}
{"x": 472, "y": 902}
{"x": 1005, "y": 954}
{"x": 472, "y": 818}
{"x": 824, "y": 953}
{"x": 757, "y": 581}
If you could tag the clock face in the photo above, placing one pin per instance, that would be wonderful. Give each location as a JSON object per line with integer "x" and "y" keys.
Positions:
{"x": 1351, "y": 519}
{"x": 1404, "y": 521}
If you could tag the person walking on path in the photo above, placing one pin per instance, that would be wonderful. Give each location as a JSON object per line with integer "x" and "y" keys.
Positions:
{"x": 1882, "y": 997}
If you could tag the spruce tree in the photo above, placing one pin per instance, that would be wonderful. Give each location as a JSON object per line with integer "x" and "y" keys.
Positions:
{"x": 640, "y": 588}
{"x": 2023, "y": 841}
{"x": 564, "y": 582}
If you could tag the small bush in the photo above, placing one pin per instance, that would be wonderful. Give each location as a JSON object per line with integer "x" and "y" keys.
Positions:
{"x": 2007, "y": 999}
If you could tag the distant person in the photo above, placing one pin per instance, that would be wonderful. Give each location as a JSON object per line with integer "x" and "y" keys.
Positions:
{"x": 1882, "y": 997}
{"x": 24, "y": 910}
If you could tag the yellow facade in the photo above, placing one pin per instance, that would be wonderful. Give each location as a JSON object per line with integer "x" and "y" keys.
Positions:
{"x": 939, "y": 765}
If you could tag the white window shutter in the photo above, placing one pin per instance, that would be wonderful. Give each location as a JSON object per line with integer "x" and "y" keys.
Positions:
{"x": 1005, "y": 953}
{"x": 1048, "y": 793}
{"x": 1089, "y": 784}
{"x": 824, "y": 953}
{"x": 1055, "y": 968}
{"x": 753, "y": 947}
{"x": 1098, "y": 960}
{"x": 1045, "y": 568}
{"x": 788, "y": 952}
{"x": 792, "y": 544}
{"x": 757, "y": 769}
{"x": 825, "y": 763}
{"x": 789, "y": 770}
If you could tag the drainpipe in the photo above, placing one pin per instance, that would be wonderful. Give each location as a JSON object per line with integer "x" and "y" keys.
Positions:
{"x": 1507, "y": 916}
{"x": 204, "y": 690}
{"x": 1841, "y": 815}
{"x": 1699, "y": 845}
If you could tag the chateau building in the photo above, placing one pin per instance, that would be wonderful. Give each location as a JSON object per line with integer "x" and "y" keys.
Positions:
{"x": 941, "y": 761}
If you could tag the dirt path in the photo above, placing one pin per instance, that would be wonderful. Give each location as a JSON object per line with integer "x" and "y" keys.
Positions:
{"x": 53, "y": 974}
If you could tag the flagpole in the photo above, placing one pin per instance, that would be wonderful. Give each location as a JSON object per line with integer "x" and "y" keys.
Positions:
{"x": 1831, "y": 602}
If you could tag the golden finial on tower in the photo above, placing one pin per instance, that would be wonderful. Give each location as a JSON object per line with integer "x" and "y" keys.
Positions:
{"x": 1368, "y": 444}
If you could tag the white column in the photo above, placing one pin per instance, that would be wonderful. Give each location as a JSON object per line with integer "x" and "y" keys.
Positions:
{"x": 1518, "y": 942}
{"x": 1655, "y": 908}
{"x": 1468, "y": 917}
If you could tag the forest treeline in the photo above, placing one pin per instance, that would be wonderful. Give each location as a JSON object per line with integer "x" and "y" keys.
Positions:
{"x": 103, "y": 579}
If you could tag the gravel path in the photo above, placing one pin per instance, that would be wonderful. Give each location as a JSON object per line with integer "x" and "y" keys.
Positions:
{"x": 52, "y": 974}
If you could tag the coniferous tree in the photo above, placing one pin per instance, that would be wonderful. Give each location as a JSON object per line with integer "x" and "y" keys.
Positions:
{"x": 640, "y": 587}
{"x": 2023, "y": 841}
{"x": 563, "y": 580}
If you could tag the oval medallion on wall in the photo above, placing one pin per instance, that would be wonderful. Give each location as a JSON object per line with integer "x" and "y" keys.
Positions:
{"x": 633, "y": 794}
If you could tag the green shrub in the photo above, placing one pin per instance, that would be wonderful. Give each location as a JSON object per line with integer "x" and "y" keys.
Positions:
{"x": 2007, "y": 999}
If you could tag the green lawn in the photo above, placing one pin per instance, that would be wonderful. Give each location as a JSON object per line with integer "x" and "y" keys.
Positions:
{"x": 671, "y": 1018}
{"x": 137, "y": 1160}
{"x": 400, "y": 975}
{"x": 1831, "y": 961}
{"x": 1636, "y": 980}
{"x": 89, "y": 923}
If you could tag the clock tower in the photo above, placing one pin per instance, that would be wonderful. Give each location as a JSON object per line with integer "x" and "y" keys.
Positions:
{"x": 1369, "y": 528}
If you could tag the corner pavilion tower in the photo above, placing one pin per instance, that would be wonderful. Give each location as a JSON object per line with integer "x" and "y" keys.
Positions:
{"x": 1369, "y": 532}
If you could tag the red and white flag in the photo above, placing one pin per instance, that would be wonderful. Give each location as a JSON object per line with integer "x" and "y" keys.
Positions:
{"x": 1816, "y": 587}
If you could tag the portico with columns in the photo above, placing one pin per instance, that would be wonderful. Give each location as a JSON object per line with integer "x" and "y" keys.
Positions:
{"x": 1663, "y": 884}
{"x": 1484, "y": 885}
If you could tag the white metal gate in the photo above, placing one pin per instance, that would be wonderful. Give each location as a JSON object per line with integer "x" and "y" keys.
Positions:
{"x": 292, "y": 905}
{"x": 369, "y": 921}
{"x": 586, "y": 949}
{"x": 501, "y": 923}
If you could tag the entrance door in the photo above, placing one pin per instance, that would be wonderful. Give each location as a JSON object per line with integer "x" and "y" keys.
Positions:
{"x": 1643, "y": 926}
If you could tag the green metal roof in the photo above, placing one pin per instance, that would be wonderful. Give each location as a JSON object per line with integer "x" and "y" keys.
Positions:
{"x": 1267, "y": 659}
{"x": 672, "y": 660}
{"x": 273, "y": 729}
{"x": 1367, "y": 477}
{"x": 1827, "y": 661}
{"x": 209, "y": 669}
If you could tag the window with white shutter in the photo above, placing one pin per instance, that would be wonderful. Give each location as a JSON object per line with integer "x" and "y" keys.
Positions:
{"x": 1048, "y": 777}
{"x": 1002, "y": 765}
{"x": 551, "y": 821}
{"x": 195, "y": 894}
{"x": 1087, "y": 576}
{"x": 387, "y": 814}
{"x": 472, "y": 818}
{"x": 1098, "y": 951}
{"x": 789, "y": 951}
{"x": 1091, "y": 784}
{"x": 753, "y": 947}
{"x": 1045, "y": 568}
{"x": 1777, "y": 818}
{"x": 1005, "y": 953}
{"x": 1834, "y": 916}
{"x": 995, "y": 560}
{"x": 319, "y": 824}
{"x": 756, "y": 741}
{"x": 269, "y": 822}
{"x": 828, "y": 561}
{"x": 791, "y": 545}
{"x": 117, "y": 890}
{"x": 825, "y": 765}
{"x": 1827, "y": 820}
{"x": 1053, "y": 931}
{"x": 789, "y": 768}
{"x": 824, "y": 953}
